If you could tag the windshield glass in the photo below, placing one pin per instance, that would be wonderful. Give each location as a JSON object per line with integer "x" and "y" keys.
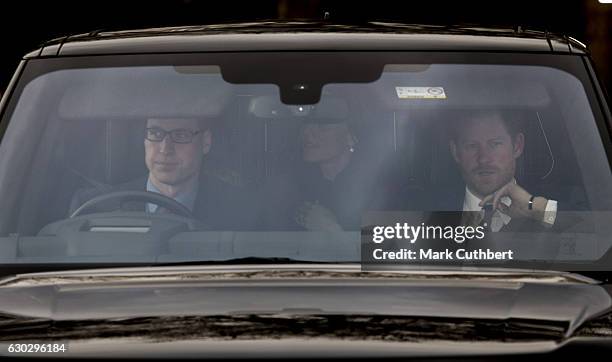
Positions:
{"x": 170, "y": 159}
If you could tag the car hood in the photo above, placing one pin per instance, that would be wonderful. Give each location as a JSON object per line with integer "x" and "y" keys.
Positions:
{"x": 304, "y": 290}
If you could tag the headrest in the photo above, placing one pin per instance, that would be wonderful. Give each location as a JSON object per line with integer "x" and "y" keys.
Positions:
{"x": 109, "y": 152}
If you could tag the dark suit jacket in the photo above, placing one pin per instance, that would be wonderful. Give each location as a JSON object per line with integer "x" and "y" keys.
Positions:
{"x": 347, "y": 197}
{"x": 218, "y": 205}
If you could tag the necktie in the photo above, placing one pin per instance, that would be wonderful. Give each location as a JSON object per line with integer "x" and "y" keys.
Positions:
{"x": 487, "y": 218}
{"x": 472, "y": 218}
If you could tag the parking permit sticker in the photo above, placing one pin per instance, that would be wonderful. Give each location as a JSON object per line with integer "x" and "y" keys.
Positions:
{"x": 420, "y": 92}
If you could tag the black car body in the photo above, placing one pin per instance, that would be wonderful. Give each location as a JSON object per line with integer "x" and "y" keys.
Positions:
{"x": 138, "y": 284}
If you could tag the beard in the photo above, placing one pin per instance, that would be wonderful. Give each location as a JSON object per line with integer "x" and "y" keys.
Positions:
{"x": 485, "y": 180}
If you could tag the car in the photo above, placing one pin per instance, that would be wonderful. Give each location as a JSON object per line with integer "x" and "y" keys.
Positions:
{"x": 306, "y": 189}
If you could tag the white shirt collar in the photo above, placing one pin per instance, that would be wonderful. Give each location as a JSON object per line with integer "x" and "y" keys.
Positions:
{"x": 470, "y": 201}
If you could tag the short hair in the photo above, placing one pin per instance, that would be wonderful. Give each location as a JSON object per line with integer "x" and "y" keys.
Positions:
{"x": 459, "y": 121}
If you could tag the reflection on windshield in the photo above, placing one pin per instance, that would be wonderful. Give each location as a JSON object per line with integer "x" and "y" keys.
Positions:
{"x": 498, "y": 146}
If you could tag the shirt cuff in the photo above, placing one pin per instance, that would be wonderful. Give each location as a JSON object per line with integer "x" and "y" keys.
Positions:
{"x": 550, "y": 212}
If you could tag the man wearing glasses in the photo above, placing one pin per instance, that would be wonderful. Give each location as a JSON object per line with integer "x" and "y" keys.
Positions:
{"x": 175, "y": 149}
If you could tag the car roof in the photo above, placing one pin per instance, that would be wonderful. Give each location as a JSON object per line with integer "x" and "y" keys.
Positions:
{"x": 308, "y": 36}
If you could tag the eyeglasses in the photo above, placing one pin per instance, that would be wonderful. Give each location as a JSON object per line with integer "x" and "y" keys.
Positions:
{"x": 179, "y": 135}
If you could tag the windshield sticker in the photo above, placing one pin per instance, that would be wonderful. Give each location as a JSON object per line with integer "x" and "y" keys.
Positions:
{"x": 420, "y": 92}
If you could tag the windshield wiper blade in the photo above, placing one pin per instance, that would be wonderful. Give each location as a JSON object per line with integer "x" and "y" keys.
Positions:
{"x": 604, "y": 277}
{"x": 16, "y": 269}
{"x": 249, "y": 260}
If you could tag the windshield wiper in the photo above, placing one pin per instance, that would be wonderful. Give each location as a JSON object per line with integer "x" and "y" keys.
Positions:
{"x": 14, "y": 269}
{"x": 250, "y": 260}
{"x": 605, "y": 277}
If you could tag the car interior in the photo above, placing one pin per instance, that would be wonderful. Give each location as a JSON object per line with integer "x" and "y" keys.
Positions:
{"x": 407, "y": 148}
{"x": 93, "y": 137}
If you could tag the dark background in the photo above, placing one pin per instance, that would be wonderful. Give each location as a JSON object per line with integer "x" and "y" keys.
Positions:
{"x": 26, "y": 24}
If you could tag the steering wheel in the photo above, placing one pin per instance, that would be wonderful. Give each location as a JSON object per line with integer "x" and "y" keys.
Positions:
{"x": 142, "y": 196}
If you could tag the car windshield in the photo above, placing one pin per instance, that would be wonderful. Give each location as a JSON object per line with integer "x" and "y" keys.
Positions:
{"x": 195, "y": 157}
